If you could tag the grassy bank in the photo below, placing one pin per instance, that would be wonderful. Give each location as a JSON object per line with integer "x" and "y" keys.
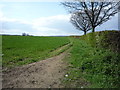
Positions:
{"x": 95, "y": 61}
{"x": 19, "y": 50}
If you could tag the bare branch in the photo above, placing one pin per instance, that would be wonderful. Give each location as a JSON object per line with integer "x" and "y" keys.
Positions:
{"x": 79, "y": 20}
{"x": 96, "y": 12}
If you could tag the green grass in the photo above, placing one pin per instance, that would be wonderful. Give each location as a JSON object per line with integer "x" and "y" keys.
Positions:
{"x": 61, "y": 50}
{"x": 94, "y": 58}
{"x": 0, "y": 50}
{"x": 93, "y": 62}
{"x": 19, "y": 50}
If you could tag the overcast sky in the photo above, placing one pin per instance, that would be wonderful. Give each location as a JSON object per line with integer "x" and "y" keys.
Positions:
{"x": 41, "y": 19}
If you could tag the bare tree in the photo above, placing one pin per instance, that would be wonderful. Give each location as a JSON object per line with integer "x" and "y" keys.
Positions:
{"x": 97, "y": 12}
{"x": 23, "y": 34}
{"x": 78, "y": 19}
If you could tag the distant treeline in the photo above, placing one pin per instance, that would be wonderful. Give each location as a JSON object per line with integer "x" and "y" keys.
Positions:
{"x": 23, "y": 34}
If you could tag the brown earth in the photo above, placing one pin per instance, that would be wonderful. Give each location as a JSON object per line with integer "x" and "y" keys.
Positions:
{"x": 43, "y": 74}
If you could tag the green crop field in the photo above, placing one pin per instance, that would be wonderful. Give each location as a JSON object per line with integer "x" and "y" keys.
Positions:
{"x": 19, "y": 50}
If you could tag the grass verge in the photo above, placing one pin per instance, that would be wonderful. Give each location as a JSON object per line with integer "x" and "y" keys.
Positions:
{"x": 93, "y": 66}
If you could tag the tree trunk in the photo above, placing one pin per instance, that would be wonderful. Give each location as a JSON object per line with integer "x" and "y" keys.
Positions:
{"x": 84, "y": 32}
{"x": 93, "y": 29}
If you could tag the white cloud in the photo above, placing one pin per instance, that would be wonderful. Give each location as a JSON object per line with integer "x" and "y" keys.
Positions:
{"x": 52, "y": 25}
{"x": 32, "y": 0}
{"x": 55, "y": 25}
{"x": 1, "y": 12}
{"x": 1, "y": 16}
{"x": 55, "y": 0}
{"x": 47, "y": 26}
{"x": 43, "y": 21}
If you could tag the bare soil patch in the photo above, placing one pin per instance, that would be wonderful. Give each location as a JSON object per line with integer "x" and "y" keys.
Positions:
{"x": 43, "y": 74}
